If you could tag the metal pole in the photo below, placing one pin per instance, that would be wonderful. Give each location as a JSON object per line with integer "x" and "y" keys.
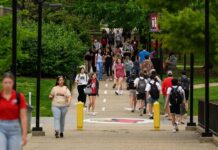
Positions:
{"x": 207, "y": 132}
{"x": 39, "y": 52}
{"x": 161, "y": 59}
{"x": 191, "y": 123}
{"x": 149, "y": 42}
{"x": 14, "y": 40}
{"x": 185, "y": 61}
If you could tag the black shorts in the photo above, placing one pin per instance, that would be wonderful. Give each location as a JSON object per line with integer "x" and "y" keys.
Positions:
{"x": 92, "y": 95}
{"x": 175, "y": 109}
{"x": 141, "y": 96}
{"x": 186, "y": 94}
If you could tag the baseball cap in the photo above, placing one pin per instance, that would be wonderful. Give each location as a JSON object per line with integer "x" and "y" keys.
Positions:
{"x": 169, "y": 73}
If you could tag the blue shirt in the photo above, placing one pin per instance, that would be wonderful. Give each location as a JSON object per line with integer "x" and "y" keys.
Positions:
{"x": 142, "y": 55}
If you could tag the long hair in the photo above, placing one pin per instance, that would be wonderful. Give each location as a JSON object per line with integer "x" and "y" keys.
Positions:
{"x": 58, "y": 78}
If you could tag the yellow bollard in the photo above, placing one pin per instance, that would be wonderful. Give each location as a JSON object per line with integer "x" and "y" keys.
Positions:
{"x": 80, "y": 115}
{"x": 157, "y": 115}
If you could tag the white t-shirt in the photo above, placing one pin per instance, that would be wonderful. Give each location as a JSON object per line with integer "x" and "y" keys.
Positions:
{"x": 179, "y": 89}
{"x": 61, "y": 95}
{"x": 82, "y": 79}
{"x": 148, "y": 86}
{"x": 136, "y": 82}
{"x": 99, "y": 58}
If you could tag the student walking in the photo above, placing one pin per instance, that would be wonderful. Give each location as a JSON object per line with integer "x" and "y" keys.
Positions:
{"x": 119, "y": 75}
{"x": 132, "y": 91}
{"x": 13, "y": 121}
{"x": 128, "y": 66}
{"x": 165, "y": 85}
{"x": 153, "y": 90}
{"x": 175, "y": 97}
{"x": 81, "y": 81}
{"x": 61, "y": 100}
{"x": 108, "y": 63}
{"x": 93, "y": 83}
{"x": 99, "y": 64}
{"x": 140, "y": 84}
{"x": 185, "y": 83}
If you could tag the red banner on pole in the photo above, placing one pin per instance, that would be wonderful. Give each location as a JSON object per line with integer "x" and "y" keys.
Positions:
{"x": 154, "y": 27}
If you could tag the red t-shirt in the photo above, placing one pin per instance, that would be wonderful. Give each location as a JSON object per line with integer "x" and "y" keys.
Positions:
{"x": 94, "y": 88}
{"x": 166, "y": 84}
{"x": 9, "y": 108}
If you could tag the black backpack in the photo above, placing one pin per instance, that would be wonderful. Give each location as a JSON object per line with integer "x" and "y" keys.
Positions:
{"x": 154, "y": 91}
{"x": 141, "y": 86}
{"x": 185, "y": 83}
{"x": 130, "y": 82}
{"x": 176, "y": 97}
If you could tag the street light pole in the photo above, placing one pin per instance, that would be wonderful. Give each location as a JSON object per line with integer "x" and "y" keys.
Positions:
{"x": 207, "y": 132}
{"x": 14, "y": 40}
{"x": 39, "y": 53}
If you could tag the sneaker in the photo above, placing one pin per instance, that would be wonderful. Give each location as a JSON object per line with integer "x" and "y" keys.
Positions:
{"x": 151, "y": 117}
{"x": 114, "y": 86}
{"x": 133, "y": 111}
{"x": 56, "y": 134}
{"x": 94, "y": 113}
{"x": 177, "y": 128}
{"x": 174, "y": 130}
{"x": 61, "y": 135}
{"x": 144, "y": 112}
{"x": 121, "y": 92}
{"x": 117, "y": 92}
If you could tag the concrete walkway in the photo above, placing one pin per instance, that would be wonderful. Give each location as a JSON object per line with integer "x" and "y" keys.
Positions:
{"x": 115, "y": 136}
{"x": 199, "y": 86}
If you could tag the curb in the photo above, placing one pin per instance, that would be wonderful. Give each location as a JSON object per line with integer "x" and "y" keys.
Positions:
{"x": 213, "y": 139}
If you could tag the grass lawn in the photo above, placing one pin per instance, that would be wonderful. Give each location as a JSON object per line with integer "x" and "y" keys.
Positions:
{"x": 199, "y": 95}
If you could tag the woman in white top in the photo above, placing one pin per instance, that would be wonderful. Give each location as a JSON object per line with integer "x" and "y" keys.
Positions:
{"x": 81, "y": 80}
{"x": 61, "y": 100}
{"x": 99, "y": 64}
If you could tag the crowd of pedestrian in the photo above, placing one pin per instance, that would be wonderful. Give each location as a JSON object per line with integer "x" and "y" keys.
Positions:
{"x": 128, "y": 66}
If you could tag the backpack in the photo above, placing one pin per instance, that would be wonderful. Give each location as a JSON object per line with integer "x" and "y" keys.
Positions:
{"x": 141, "y": 86}
{"x": 130, "y": 82}
{"x": 176, "y": 97}
{"x": 154, "y": 91}
{"x": 185, "y": 83}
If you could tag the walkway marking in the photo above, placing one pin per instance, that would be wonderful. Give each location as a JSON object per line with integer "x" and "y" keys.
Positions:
{"x": 104, "y": 100}
{"x": 118, "y": 121}
{"x": 105, "y": 92}
{"x": 103, "y": 108}
{"x": 106, "y": 85}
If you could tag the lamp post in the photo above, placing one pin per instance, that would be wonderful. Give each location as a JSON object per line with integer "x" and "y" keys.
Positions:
{"x": 37, "y": 129}
{"x": 191, "y": 122}
{"x": 207, "y": 132}
{"x": 14, "y": 40}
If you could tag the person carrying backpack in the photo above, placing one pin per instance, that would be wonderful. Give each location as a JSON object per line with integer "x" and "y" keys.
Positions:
{"x": 175, "y": 97}
{"x": 153, "y": 90}
{"x": 185, "y": 83}
{"x": 132, "y": 90}
{"x": 13, "y": 119}
{"x": 140, "y": 84}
